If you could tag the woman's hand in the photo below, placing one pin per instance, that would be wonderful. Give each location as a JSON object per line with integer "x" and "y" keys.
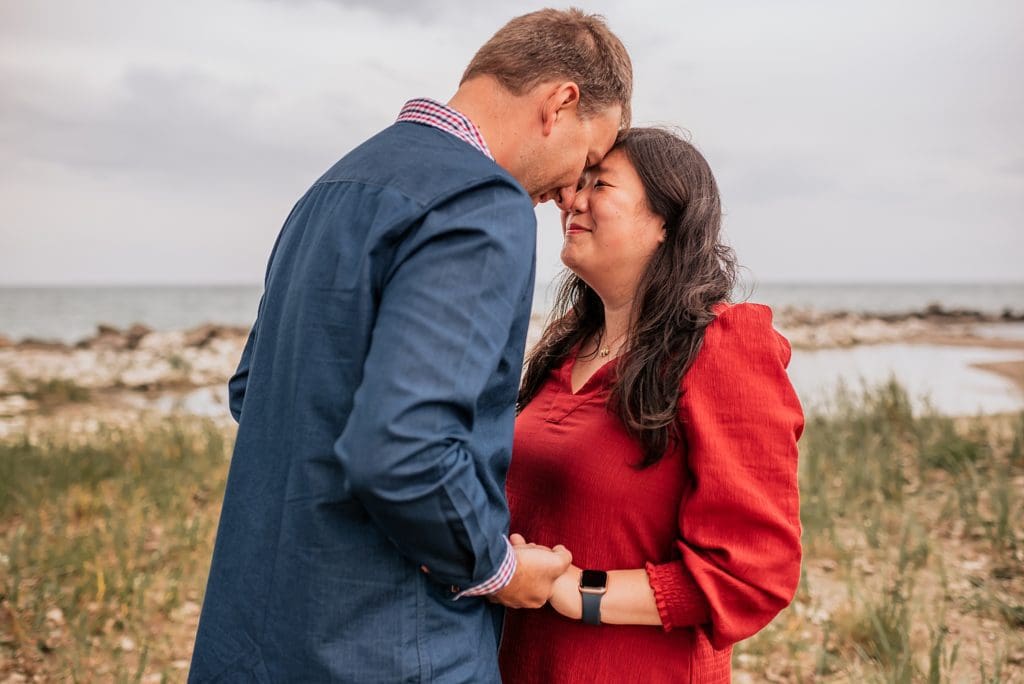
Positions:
{"x": 565, "y": 598}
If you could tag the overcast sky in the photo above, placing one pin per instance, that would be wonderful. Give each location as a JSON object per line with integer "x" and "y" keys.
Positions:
{"x": 165, "y": 142}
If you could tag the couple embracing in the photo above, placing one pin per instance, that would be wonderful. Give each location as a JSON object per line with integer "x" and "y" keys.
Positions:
{"x": 406, "y": 504}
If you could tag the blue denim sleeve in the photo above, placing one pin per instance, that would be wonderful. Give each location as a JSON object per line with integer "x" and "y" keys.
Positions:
{"x": 443, "y": 324}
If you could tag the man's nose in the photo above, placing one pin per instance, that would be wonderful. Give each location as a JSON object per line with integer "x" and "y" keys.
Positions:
{"x": 565, "y": 198}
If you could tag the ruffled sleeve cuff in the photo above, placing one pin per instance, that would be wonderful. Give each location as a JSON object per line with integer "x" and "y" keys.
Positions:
{"x": 680, "y": 601}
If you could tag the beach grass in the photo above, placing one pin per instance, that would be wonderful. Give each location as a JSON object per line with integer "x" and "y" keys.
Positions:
{"x": 913, "y": 570}
{"x": 105, "y": 538}
{"x": 914, "y": 548}
{"x": 48, "y": 392}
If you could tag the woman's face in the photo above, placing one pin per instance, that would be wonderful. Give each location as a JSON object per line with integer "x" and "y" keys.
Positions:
{"x": 609, "y": 232}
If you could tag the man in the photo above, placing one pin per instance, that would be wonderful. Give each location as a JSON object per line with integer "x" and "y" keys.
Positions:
{"x": 364, "y": 523}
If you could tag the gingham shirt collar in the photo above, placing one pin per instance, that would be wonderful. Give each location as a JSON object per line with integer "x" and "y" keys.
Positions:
{"x": 423, "y": 110}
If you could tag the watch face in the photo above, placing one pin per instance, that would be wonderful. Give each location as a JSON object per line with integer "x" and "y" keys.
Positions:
{"x": 594, "y": 579}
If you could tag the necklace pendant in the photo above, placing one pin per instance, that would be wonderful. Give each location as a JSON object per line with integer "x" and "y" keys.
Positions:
{"x": 604, "y": 352}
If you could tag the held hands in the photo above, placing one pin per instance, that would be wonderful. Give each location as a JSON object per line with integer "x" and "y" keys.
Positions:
{"x": 537, "y": 570}
{"x": 565, "y": 595}
{"x": 632, "y": 602}
{"x": 537, "y": 583}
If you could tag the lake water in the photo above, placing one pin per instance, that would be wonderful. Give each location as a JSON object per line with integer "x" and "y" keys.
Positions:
{"x": 944, "y": 377}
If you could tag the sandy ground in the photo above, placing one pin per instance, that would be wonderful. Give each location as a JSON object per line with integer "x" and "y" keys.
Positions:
{"x": 1012, "y": 370}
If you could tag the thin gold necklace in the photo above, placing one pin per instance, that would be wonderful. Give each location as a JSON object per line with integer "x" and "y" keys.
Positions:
{"x": 604, "y": 351}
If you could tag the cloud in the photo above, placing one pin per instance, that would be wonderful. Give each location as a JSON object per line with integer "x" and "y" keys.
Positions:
{"x": 169, "y": 124}
{"x": 832, "y": 128}
{"x": 1013, "y": 168}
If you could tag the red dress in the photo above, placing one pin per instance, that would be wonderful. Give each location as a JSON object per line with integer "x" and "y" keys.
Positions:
{"x": 716, "y": 524}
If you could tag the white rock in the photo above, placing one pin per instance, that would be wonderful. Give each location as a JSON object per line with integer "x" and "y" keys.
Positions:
{"x": 973, "y": 565}
{"x": 15, "y": 405}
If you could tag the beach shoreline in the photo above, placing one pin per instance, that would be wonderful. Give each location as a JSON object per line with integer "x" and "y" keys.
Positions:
{"x": 126, "y": 369}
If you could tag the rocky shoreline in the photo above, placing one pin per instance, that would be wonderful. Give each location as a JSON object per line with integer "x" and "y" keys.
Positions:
{"x": 810, "y": 329}
{"x": 836, "y": 329}
{"x": 128, "y": 366}
{"x": 115, "y": 365}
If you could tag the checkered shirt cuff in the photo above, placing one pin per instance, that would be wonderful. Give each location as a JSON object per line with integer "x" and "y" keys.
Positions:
{"x": 498, "y": 580}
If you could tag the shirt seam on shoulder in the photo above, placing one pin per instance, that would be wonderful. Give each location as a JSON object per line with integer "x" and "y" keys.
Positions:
{"x": 433, "y": 201}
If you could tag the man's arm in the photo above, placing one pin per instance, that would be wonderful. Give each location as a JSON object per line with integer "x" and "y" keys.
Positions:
{"x": 443, "y": 322}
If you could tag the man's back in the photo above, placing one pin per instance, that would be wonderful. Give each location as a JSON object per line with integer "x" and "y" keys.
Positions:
{"x": 379, "y": 378}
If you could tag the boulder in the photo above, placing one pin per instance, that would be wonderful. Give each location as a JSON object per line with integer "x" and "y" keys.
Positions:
{"x": 135, "y": 334}
{"x": 201, "y": 336}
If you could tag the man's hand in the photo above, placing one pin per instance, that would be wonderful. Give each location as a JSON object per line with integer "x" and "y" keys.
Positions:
{"x": 537, "y": 568}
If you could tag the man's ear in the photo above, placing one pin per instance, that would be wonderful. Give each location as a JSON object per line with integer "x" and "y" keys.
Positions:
{"x": 563, "y": 98}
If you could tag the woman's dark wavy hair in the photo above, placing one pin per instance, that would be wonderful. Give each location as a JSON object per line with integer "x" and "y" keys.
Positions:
{"x": 691, "y": 271}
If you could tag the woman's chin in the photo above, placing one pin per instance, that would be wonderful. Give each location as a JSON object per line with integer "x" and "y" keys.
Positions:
{"x": 575, "y": 266}
{"x": 568, "y": 259}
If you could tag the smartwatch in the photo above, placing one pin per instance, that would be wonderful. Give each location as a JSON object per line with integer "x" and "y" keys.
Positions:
{"x": 593, "y": 585}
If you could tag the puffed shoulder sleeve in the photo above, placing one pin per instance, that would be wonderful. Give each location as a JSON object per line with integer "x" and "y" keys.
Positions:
{"x": 739, "y": 521}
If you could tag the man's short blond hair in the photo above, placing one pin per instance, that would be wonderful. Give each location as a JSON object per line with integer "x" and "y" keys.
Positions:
{"x": 550, "y": 44}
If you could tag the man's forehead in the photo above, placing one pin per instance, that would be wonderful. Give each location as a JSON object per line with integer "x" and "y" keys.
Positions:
{"x": 599, "y": 152}
{"x": 600, "y": 168}
{"x": 604, "y": 129}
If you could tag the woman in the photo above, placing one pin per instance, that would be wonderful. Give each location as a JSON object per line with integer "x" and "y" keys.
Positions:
{"x": 656, "y": 438}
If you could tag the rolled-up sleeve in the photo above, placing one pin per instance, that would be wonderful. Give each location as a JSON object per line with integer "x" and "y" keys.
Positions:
{"x": 739, "y": 524}
{"x": 444, "y": 320}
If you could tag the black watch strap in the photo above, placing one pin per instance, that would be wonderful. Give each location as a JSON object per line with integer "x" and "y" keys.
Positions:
{"x": 591, "y": 608}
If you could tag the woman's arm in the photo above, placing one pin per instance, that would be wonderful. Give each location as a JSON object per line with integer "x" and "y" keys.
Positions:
{"x": 628, "y": 601}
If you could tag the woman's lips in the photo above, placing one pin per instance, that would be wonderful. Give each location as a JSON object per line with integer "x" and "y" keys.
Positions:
{"x": 576, "y": 228}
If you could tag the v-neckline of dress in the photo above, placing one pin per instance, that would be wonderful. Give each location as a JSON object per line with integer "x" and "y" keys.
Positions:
{"x": 564, "y": 402}
{"x": 591, "y": 381}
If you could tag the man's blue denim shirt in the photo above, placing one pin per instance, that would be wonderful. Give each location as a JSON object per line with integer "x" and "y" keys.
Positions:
{"x": 375, "y": 400}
